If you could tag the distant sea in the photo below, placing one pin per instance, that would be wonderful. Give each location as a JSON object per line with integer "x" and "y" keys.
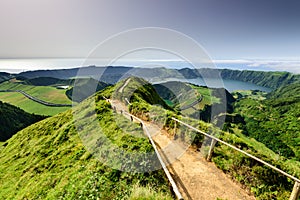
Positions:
{"x": 20, "y": 65}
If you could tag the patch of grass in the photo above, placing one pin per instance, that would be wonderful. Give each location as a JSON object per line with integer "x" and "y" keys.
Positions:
{"x": 147, "y": 193}
{"x": 28, "y": 105}
{"x": 45, "y": 93}
{"x": 49, "y": 160}
{"x": 264, "y": 182}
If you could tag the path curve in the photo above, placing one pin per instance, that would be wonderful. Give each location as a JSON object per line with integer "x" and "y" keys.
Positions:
{"x": 196, "y": 178}
{"x": 192, "y": 104}
{"x": 38, "y": 100}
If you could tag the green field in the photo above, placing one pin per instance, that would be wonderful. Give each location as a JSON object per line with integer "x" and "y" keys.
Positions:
{"x": 207, "y": 99}
{"x": 45, "y": 93}
{"x": 206, "y": 93}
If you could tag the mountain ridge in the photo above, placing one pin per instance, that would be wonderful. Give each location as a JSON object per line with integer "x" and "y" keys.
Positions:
{"x": 112, "y": 74}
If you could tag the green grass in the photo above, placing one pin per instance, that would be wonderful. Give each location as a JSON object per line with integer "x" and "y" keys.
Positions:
{"x": 46, "y": 93}
{"x": 274, "y": 122}
{"x": 28, "y": 105}
{"x": 264, "y": 182}
{"x": 49, "y": 160}
{"x": 256, "y": 95}
{"x": 147, "y": 193}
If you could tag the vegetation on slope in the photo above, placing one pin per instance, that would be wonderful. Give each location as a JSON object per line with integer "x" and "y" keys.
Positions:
{"x": 266, "y": 79}
{"x": 139, "y": 93}
{"x": 275, "y": 120}
{"x": 198, "y": 102}
{"x": 49, "y": 161}
{"x": 13, "y": 119}
{"x": 4, "y": 76}
{"x": 261, "y": 180}
{"x": 85, "y": 87}
{"x": 47, "y": 81}
{"x": 62, "y": 168}
{"x": 112, "y": 74}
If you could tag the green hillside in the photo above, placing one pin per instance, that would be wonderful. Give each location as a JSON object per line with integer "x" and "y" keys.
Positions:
{"x": 4, "y": 76}
{"x": 85, "y": 87}
{"x": 49, "y": 161}
{"x": 139, "y": 93}
{"x": 196, "y": 101}
{"x": 275, "y": 120}
{"x": 266, "y": 79}
{"x": 13, "y": 119}
{"x": 262, "y": 181}
{"x": 46, "y": 81}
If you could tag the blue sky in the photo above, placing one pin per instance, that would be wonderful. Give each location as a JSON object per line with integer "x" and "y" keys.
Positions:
{"x": 262, "y": 32}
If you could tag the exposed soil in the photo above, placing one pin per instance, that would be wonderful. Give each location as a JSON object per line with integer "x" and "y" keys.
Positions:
{"x": 196, "y": 178}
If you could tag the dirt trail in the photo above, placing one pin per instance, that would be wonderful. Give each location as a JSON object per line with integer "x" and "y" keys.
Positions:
{"x": 196, "y": 178}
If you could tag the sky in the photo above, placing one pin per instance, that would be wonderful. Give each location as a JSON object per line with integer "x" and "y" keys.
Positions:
{"x": 257, "y": 34}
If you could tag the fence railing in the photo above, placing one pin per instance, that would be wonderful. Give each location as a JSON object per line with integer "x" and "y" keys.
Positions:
{"x": 296, "y": 189}
{"x": 170, "y": 178}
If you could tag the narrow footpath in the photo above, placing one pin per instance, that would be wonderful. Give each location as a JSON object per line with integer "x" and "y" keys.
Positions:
{"x": 196, "y": 178}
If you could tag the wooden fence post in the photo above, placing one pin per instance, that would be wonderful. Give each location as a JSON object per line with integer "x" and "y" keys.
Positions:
{"x": 175, "y": 129}
{"x": 211, "y": 149}
{"x": 296, "y": 191}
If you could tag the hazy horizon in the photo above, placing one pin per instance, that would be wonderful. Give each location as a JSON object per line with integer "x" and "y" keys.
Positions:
{"x": 254, "y": 34}
{"x": 21, "y": 65}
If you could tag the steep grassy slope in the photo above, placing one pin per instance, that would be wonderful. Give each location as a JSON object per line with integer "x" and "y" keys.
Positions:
{"x": 13, "y": 119}
{"x": 289, "y": 91}
{"x": 275, "y": 121}
{"x": 85, "y": 87}
{"x": 4, "y": 76}
{"x": 266, "y": 79}
{"x": 198, "y": 102}
{"x": 47, "y": 81}
{"x": 110, "y": 74}
{"x": 139, "y": 93}
{"x": 49, "y": 161}
{"x": 264, "y": 182}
